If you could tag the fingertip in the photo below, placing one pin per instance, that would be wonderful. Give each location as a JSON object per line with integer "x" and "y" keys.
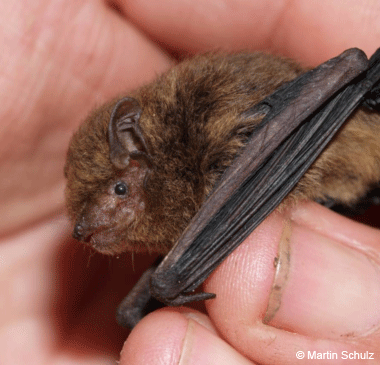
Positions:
{"x": 293, "y": 285}
{"x": 157, "y": 339}
{"x": 178, "y": 336}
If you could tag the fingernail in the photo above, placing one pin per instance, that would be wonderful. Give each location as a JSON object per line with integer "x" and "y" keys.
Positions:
{"x": 200, "y": 318}
{"x": 202, "y": 346}
{"x": 322, "y": 287}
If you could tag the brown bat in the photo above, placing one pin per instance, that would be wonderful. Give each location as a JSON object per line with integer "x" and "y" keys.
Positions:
{"x": 194, "y": 161}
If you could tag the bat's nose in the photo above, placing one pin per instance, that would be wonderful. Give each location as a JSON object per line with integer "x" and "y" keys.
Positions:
{"x": 78, "y": 232}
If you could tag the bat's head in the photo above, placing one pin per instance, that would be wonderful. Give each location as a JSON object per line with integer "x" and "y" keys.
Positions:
{"x": 107, "y": 165}
{"x": 138, "y": 169}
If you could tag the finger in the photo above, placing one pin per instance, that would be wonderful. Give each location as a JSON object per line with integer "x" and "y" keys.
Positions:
{"x": 62, "y": 58}
{"x": 301, "y": 29}
{"x": 178, "y": 336}
{"x": 297, "y": 287}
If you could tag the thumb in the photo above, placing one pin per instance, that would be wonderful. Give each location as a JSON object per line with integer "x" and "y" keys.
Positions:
{"x": 306, "y": 280}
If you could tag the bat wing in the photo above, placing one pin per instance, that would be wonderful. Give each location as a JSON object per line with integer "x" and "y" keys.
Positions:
{"x": 300, "y": 119}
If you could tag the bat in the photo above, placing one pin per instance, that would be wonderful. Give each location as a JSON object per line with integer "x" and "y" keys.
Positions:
{"x": 191, "y": 163}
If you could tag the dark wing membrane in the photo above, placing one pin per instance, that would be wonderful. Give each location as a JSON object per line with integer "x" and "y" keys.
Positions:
{"x": 301, "y": 119}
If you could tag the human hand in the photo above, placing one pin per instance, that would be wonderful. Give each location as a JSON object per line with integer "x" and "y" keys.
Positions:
{"x": 321, "y": 299}
{"x": 59, "y": 59}
{"x": 323, "y": 309}
{"x": 62, "y": 59}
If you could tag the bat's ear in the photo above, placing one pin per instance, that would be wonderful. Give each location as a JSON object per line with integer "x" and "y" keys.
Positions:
{"x": 125, "y": 138}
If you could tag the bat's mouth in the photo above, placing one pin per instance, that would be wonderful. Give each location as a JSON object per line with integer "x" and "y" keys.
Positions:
{"x": 109, "y": 240}
{"x": 101, "y": 238}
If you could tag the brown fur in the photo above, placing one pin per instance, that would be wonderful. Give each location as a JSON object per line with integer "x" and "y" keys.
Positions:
{"x": 192, "y": 125}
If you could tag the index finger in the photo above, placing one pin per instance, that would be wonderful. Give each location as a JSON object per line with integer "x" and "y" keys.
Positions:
{"x": 308, "y": 30}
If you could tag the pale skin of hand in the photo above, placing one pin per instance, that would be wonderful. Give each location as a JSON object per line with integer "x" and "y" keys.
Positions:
{"x": 62, "y": 58}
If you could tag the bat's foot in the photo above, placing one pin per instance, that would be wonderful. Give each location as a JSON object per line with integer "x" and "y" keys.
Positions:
{"x": 167, "y": 287}
{"x": 184, "y": 299}
{"x": 141, "y": 300}
{"x": 128, "y": 315}
{"x": 138, "y": 302}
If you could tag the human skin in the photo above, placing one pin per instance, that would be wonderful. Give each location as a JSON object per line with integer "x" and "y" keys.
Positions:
{"x": 59, "y": 60}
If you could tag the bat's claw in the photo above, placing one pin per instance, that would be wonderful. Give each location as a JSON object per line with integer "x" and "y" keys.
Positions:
{"x": 183, "y": 299}
{"x": 166, "y": 287}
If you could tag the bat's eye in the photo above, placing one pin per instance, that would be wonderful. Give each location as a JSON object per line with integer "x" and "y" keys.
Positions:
{"x": 121, "y": 189}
